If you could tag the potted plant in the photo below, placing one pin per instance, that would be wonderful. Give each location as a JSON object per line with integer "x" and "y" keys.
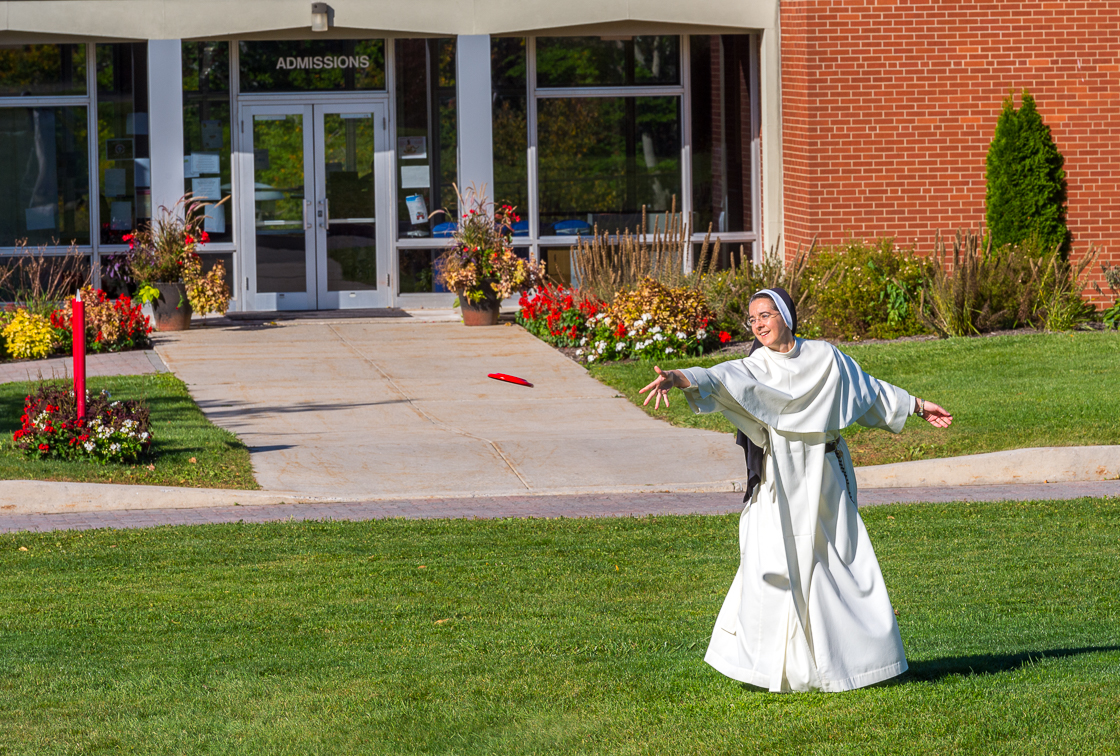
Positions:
{"x": 482, "y": 267}
{"x": 163, "y": 259}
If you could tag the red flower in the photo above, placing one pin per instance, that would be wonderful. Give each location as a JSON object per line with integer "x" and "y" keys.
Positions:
{"x": 17, "y": 435}
{"x": 724, "y": 337}
{"x": 205, "y": 238}
{"x": 44, "y": 447}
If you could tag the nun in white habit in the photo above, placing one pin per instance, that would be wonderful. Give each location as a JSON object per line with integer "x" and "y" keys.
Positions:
{"x": 807, "y": 609}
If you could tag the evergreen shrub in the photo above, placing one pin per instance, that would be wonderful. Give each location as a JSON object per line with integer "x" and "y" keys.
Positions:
{"x": 1025, "y": 197}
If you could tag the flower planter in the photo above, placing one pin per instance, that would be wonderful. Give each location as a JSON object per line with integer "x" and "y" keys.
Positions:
{"x": 483, "y": 312}
{"x": 172, "y": 309}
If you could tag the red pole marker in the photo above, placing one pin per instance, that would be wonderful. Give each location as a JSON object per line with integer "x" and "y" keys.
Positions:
{"x": 509, "y": 379}
{"x": 78, "y": 324}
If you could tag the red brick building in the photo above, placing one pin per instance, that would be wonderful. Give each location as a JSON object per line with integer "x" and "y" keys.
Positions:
{"x": 888, "y": 109}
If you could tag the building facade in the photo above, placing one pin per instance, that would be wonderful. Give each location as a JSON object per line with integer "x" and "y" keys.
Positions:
{"x": 328, "y": 139}
{"x": 888, "y": 110}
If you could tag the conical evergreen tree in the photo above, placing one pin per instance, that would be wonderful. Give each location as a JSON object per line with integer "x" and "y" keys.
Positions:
{"x": 1026, "y": 183}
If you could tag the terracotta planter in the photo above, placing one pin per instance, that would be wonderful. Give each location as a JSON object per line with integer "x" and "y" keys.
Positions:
{"x": 172, "y": 309}
{"x": 481, "y": 313}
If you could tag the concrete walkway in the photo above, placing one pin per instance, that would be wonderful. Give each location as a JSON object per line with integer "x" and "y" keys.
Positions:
{"x": 401, "y": 408}
{"x": 138, "y": 362}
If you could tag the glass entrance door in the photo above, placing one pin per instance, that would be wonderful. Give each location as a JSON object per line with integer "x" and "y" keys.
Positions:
{"x": 320, "y": 183}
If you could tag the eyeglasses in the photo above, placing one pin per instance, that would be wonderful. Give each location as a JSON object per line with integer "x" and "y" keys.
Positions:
{"x": 763, "y": 318}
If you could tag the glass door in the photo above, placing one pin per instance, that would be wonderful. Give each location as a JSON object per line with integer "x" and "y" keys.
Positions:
{"x": 319, "y": 181}
{"x": 351, "y": 161}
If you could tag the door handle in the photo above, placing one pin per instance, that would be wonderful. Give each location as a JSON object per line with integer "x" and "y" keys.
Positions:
{"x": 306, "y": 207}
{"x": 325, "y": 213}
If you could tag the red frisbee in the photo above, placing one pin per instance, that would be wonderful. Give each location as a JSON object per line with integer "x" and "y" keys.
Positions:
{"x": 509, "y": 379}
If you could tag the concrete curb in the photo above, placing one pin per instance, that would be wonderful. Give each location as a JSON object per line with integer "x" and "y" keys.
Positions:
{"x": 1054, "y": 464}
{"x": 936, "y": 478}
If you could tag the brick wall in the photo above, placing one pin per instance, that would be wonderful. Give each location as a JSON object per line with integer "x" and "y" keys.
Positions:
{"x": 888, "y": 109}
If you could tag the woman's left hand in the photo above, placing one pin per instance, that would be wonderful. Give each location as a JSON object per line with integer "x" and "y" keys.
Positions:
{"x": 937, "y": 416}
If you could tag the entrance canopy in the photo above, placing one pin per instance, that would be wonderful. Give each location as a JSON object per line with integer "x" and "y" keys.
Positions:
{"x": 277, "y": 19}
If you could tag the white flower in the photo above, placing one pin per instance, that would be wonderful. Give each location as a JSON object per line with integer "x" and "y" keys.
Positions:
{"x": 701, "y": 334}
{"x": 88, "y": 445}
{"x": 583, "y": 341}
{"x": 114, "y": 448}
{"x": 620, "y": 346}
{"x": 655, "y": 329}
{"x": 658, "y": 337}
{"x": 600, "y": 347}
{"x": 144, "y": 436}
{"x": 591, "y": 357}
{"x": 682, "y": 335}
{"x": 646, "y": 316}
{"x": 669, "y": 350}
{"x": 579, "y": 352}
{"x": 631, "y": 333}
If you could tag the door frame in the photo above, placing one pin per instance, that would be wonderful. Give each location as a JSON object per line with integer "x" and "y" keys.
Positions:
{"x": 244, "y": 190}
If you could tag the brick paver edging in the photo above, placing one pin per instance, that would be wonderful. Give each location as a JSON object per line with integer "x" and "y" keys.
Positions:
{"x": 592, "y": 505}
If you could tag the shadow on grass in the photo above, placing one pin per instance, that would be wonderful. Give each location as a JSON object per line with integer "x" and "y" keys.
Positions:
{"x": 990, "y": 664}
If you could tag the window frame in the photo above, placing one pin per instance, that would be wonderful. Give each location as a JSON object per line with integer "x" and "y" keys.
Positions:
{"x": 89, "y": 102}
{"x": 683, "y": 90}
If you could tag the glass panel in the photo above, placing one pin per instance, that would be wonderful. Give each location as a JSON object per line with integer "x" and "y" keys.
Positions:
{"x": 335, "y": 65}
{"x": 607, "y": 61}
{"x": 279, "y": 203}
{"x": 427, "y": 137}
{"x": 417, "y": 271}
{"x": 42, "y": 70}
{"x": 511, "y": 136}
{"x": 603, "y": 159}
{"x": 351, "y": 206}
{"x": 206, "y": 131}
{"x": 728, "y": 251}
{"x": 31, "y": 270}
{"x": 558, "y": 265}
{"x": 721, "y": 133}
{"x": 44, "y": 161}
{"x": 122, "y": 138}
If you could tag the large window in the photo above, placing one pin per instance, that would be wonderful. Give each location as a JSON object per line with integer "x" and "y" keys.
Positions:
{"x": 601, "y": 132}
{"x": 723, "y": 128}
{"x": 123, "y": 140}
{"x": 206, "y": 133}
{"x": 44, "y": 145}
{"x": 44, "y": 176}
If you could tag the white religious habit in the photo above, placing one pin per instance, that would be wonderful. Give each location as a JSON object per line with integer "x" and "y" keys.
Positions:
{"x": 807, "y": 609}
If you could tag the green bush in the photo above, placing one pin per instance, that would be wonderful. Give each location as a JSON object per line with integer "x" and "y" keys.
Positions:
{"x": 864, "y": 289}
{"x": 1026, "y": 184}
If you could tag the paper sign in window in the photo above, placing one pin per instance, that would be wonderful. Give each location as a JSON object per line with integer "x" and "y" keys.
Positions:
{"x": 40, "y": 218}
{"x": 205, "y": 162}
{"x": 143, "y": 175}
{"x": 412, "y": 148}
{"x": 415, "y": 177}
{"x": 120, "y": 216}
{"x": 212, "y": 135}
{"x": 207, "y": 188}
{"x": 417, "y": 209}
{"x": 114, "y": 182}
{"x": 214, "y": 222}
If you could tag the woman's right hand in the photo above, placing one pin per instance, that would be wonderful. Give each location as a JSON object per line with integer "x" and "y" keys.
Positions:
{"x": 937, "y": 416}
{"x": 660, "y": 386}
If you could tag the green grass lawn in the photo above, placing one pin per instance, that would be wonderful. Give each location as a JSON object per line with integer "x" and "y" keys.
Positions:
{"x": 1005, "y": 392}
{"x": 181, "y": 433}
{"x": 542, "y": 637}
